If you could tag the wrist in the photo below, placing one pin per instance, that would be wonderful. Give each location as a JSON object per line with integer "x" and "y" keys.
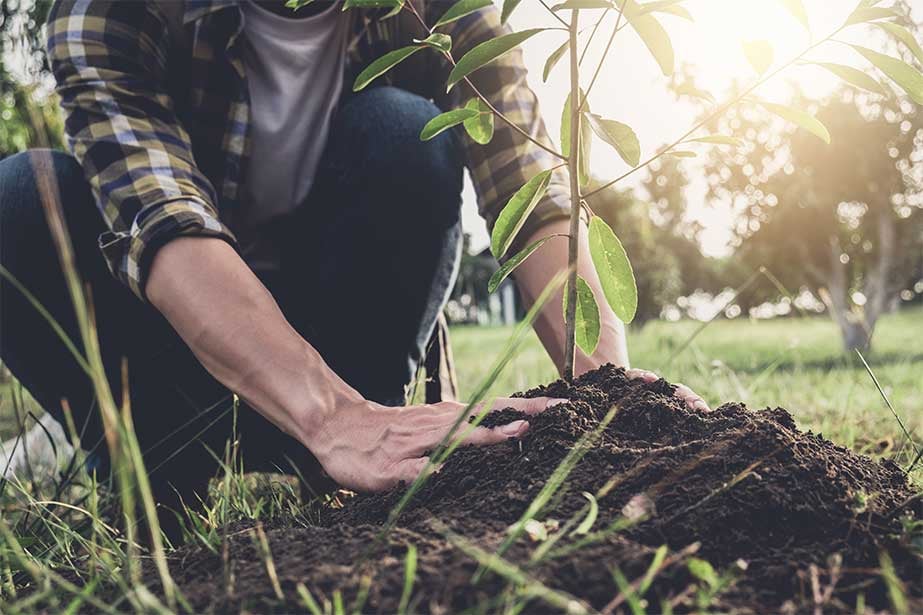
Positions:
{"x": 323, "y": 395}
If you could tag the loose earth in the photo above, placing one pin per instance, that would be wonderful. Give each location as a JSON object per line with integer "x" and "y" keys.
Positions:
{"x": 788, "y": 521}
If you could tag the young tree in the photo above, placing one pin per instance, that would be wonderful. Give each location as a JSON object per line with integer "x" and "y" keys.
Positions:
{"x": 580, "y": 122}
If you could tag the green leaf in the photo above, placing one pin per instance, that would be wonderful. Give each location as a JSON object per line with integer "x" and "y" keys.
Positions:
{"x": 652, "y": 33}
{"x": 759, "y": 54}
{"x": 507, "y": 268}
{"x": 656, "y": 562}
{"x": 587, "y": 524}
{"x": 553, "y": 59}
{"x": 410, "y": 575}
{"x": 437, "y": 40}
{"x": 796, "y": 8}
{"x": 620, "y": 136}
{"x": 898, "y": 71}
{"x": 514, "y": 214}
{"x": 717, "y": 140}
{"x": 444, "y": 121}
{"x": 671, "y": 7}
{"x": 586, "y": 319}
{"x": 796, "y": 116}
{"x": 382, "y": 65}
{"x": 508, "y": 7}
{"x": 297, "y": 4}
{"x": 703, "y": 571}
{"x": 582, "y": 4}
{"x": 487, "y": 52}
{"x": 679, "y": 153}
{"x": 583, "y": 161}
{"x": 461, "y": 9}
{"x": 854, "y": 76}
{"x": 614, "y": 269}
{"x": 905, "y": 36}
{"x": 481, "y": 126}
{"x": 372, "y": 4}
{"x": 865, "y": 14}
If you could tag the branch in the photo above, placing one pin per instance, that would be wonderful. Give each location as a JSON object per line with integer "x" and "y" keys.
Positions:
{"x": 493, "y": 109}
{"x": 554, "y": 14}
{"x": 602, "y": 60}
{"x": 717, "y": 113}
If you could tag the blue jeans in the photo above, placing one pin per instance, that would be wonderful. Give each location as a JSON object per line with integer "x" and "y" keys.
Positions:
{"x": 367, "y": 265}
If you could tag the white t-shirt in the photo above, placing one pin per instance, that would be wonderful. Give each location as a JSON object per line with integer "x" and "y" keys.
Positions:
{"x": 294, "y": 69}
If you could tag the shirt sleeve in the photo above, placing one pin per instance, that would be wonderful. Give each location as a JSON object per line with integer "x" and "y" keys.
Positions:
{"x": 501, "y": 167}
{"x": 110, "y": 60}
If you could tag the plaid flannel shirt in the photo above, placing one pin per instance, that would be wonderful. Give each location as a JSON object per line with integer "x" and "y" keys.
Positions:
{"x": 157, "y": 111}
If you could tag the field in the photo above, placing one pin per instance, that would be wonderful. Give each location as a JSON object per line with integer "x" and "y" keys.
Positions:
{"x": 798, "y": 364}
{"x": 620, "y": 501}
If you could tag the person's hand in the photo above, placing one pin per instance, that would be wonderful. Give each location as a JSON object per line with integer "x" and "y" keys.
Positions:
{"x": 365, "y": 446}
{"x": 684, "y": 393}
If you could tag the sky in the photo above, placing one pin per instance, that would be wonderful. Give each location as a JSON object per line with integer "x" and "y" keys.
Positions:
{"x": 631, "y": 88}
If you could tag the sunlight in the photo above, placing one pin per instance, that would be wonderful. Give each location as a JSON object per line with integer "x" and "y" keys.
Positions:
{"x": 633, "y": 90}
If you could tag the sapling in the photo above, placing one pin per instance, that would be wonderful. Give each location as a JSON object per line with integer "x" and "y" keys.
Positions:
{"x": 580, "y": 123}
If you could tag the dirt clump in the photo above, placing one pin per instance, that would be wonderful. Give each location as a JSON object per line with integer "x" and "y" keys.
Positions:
{"x": 788, "y": 520}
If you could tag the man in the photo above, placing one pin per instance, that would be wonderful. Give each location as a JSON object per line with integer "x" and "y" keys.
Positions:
{"x": 299, "y": 239}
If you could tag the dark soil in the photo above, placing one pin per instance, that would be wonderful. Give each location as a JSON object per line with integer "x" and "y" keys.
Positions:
{"x": 787, "y": 515}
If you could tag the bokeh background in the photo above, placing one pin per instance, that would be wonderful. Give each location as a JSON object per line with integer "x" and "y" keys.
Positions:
{"x": 762, "y": 268}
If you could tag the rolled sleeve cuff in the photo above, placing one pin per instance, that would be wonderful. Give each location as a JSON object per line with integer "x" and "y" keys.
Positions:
{"x": 130, "y": 254}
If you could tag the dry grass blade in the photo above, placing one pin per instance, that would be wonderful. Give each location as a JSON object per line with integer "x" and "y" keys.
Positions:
{"x": 894, "y": 413}
{"x": 526, "y": 585}
{"x": 555, "y": 481}
{"x": 262, "y": 545}
{"x": 123, "y": 446}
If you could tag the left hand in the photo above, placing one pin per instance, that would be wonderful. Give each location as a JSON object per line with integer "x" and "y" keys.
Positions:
{"x": 684, "y": 393}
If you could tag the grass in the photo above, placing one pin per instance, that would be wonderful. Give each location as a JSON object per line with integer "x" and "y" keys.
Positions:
{"x": 797, "y": 363}
{"x": 794, "y": 363}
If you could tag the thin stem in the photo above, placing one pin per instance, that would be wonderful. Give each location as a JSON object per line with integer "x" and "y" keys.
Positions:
{"x": 586, "y": 46}
{"x": 494, "y": 110}
{"x": 602, "y": 60}
{"x": 716, "y": 113}
{"x": 554, "y": 14}
{"x": 573, "y": 161}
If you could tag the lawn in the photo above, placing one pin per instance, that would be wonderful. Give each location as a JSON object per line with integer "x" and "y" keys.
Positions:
{"x": 796, "y": 363}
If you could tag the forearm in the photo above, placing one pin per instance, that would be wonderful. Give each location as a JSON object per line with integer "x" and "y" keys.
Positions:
{"x": 237, "y": 331}
{"x": 538, "y": 270}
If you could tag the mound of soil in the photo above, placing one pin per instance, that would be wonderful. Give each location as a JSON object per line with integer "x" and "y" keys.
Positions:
{"x": 788, "y": 520}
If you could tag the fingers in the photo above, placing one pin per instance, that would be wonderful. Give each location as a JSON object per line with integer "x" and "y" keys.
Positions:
{"x": 687, "y": 395}
{"x": 691, "y": 398}
{"x": 530, "y": 406}
{"x": 641, "y": 374}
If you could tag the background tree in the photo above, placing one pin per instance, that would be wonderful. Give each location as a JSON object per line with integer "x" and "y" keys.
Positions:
{"x": 844, "y": 222}
{"x": 29, "y": 115}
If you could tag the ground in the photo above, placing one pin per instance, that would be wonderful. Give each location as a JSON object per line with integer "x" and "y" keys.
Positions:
{"x": 618, "y": 497}
{"x": 798, "y": 364}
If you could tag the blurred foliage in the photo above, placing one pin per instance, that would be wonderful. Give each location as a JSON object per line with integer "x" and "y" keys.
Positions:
{"x": 29, "y": 115}
{"x": 844, "y": 221}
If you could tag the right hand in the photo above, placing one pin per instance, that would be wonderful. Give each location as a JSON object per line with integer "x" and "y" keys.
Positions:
{"x": 365, "y": 446}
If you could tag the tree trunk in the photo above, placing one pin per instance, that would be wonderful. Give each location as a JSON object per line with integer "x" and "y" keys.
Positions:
{"x": 854, "y": 328}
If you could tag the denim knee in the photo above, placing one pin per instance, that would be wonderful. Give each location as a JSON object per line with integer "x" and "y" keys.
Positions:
{"x": 24, "y": 234}
{"x": 379, "y": 131}
{"x": 20, "y": 199}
